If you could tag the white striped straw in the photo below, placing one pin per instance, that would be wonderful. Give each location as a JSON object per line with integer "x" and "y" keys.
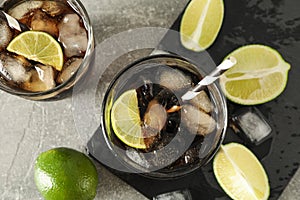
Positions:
{"x": 13, "y": 23}
{"x": 4, "y": 72}
{"x": 209, "y": 79}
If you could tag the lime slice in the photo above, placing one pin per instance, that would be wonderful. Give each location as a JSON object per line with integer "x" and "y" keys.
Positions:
{"x": 260, "y": 75}
{"x": 38, "y": 46}
{"x": 201, "y": 23}
{"x": 240, "y": 174}
{"x": 126, "y": 121}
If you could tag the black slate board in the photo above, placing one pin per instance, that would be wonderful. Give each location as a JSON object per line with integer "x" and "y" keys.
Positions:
{"x": 275, "y": 23}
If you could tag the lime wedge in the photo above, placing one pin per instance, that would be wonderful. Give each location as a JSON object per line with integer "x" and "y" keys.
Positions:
{"x": 38, "y": 46}
{"x": 201, "y": 23}
{"x": 125, "y": 120}
{"x": 259, "y": 76}
{"x": 240, "y": 174}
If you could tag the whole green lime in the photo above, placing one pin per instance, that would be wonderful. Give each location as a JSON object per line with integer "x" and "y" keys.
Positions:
{"x": 65, "y": 174}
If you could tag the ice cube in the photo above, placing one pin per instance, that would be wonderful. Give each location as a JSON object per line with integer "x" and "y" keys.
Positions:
{"x": 197, "y": 121}
{"x": 164, "y": 157}
{"x": 20, "y": 10}
{"x": 175, "y": 195}
{"x": 174, "y": 79}
{"x": 41, "y": 22}
{"x": 137, "y": 158}
{"x": 42, "y": 79}
{"x": 69, "y": 69}
{"x": 53, "y": 8}
{"x": 16, "y": 68}
{"x": 155, "y": 117}
{"x": 202, "y": 102}
{"x": 72, "y": 35}
{"x": 254, "y": 126}
{"x": 5, "y": 34}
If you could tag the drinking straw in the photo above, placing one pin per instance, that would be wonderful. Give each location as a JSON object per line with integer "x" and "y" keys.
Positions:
{"x": 4, "y": 72}
{"x": 210, "y": 78}
{"x": 13, "y": 23}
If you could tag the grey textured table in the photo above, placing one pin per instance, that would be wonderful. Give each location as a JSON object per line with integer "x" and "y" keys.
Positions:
{"x": 29, "y": 128}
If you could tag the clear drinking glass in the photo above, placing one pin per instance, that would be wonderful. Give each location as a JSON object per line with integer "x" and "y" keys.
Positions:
{"x": 185, "y": 152}
{"x": 60, "y": 90}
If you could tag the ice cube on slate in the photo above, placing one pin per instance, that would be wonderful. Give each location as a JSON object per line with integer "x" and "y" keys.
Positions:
{"x": 254, "y": 125}
{"x": 175, "y": 195}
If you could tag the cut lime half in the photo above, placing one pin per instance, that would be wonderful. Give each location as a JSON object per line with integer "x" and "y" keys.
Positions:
{"x": 259, "y": 76}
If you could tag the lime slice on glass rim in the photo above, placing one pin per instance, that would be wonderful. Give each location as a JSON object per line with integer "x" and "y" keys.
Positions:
{"x": 259, "y": 76}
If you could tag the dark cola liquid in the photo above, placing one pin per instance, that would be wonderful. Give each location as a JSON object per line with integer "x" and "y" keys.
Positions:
{"x": 145, "y": 82}
{"x": 167, "y": 99}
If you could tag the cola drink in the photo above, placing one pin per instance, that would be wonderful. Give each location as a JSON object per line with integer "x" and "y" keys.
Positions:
{"x": 168, "y": 125}
{"x": 68, "y": 23}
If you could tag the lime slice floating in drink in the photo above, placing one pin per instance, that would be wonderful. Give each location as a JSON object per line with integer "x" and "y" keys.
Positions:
{"x": 38, "y": 46}
{"x": 259, "y": 76}
{"x": 201, "y": 24}
{"x": 240, "y": 174}
{"x": 125, "y": 120}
